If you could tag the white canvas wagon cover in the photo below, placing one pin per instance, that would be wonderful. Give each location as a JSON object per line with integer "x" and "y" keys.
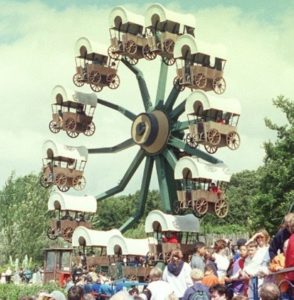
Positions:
{"x": 129, "y": 246}
{"x": 84, "y": 48}
{"x": 126, "y": 17}
{"x": 210, "y": 101}
{"x": 54, "y": 150}
{"x": 60, "y": 96}
{"x": 186, "y": 42}
{"x": 92, "y": 237}
{"x": 193, "y": 167}
{"x": 186, "y": 223}
{"x": 168, "y": 15}
{"x": 86, "y": 204}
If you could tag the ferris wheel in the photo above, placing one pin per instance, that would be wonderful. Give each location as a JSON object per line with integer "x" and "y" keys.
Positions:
{"x": 157, "y": 130}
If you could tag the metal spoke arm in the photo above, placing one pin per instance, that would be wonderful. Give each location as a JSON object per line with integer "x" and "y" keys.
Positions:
{"x": 120, "y": 109}
{"x": 179, "y": 144}
{"x": 170, "y": 158}
{"x": 142, "y": 197}
{"x": 161, "y": 84}
{"x": 122, "y": 146}
{"x": 142, "y": 86}
{"x": 178, "y": 110}
{"x": 126, "y": 178}
{"x": 171, "y": 99}
{"x": 180, "y": 126}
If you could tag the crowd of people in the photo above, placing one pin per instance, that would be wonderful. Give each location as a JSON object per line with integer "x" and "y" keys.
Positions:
{"x": 258, "y": 268}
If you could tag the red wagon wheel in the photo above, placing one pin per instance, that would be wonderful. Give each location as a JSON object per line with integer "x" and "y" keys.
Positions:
{"x": 213, "y": 137}
{"x": 131, "y": 47}
{"x": 79, "y": 183}
{"x": 149, "y": 55}
{"x": 168, "y": 45}
{"x": 219, "y": 85}
{"x": 54, "y": 127}
{"x": 210, "y": 148}
{"x": 201, "y": 206}
{"x": 90, "y": 129}
{"x": 168, "y": 61}
{"x": 178, "y": 86}
{"x": 233, "y": 140}
{"x": 113, "y": 81}
{"x": 191, "y": 140}
{"x": 112, "y": 52}
{"x": 200, "y": 81}
{"x": 78, "y": 80}
{"x": 221, "y": 208}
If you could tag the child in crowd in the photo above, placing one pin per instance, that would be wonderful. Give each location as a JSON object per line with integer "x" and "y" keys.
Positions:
{"x": 209, "y": 278}
{"x": 197, "y": 261}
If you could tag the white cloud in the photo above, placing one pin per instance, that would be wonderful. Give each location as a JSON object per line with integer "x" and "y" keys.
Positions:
{"x": 37, "y": 52}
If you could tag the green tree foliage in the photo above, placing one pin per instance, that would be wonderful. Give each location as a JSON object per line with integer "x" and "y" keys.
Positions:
{"x": 23, "y": 218}
{"x": 277, "y": 174}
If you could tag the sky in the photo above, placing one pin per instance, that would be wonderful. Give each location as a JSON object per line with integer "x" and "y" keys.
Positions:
{"x": 37, "y": 41}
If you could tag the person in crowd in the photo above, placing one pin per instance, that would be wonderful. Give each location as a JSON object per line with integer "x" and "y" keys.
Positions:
{"x": 75, "y": 293}
{"x": 236, "y": 280}
{"x": 282, "y": 235}
{"x": 198, "y": 288}
{"x": 269, "y": 291}
{"x": 289, "y": 262}
{"x": 240, "y": 242}
{"x": 209, "y": 278}
{"x": 221, "y": 260}
{"x": 177, "y": 273}
{"x": 160, "y": 289}
{"x": 210, "y": 261}
{"x": 170, "y": 237}
{"x": 218, "y": 292}
{"x": 198, "y": 261}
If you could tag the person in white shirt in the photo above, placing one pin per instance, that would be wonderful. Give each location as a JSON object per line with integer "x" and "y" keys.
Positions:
{"x": 177, "y": 273}
{"x": 160, "y": 289}
{"x": 220, "y": 258}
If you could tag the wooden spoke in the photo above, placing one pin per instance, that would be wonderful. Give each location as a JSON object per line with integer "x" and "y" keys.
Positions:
{"x": 219, "y": 85}
{"x": 201, "y": 206}
{"x": 191, "y": 140}
{"x": 54, "y": 127}
{"x": 168, "y": 61}
{"x": 131, "y": 47}
{"x": 113, "y": 81}
{"x": 112, "y": 52}
{"x": 90, "y": 129}
{"x": 44, "y": 181}
{"x": 51, "y": 233}
{"x": 199, "y": 81}
{"x": 72, "y": 134}
{"x": 70, "y": 124}
{"x": 63, "y": 188}
{"x": 95, "y": 78}
{"x": 78, "y": 80}
{"x": 79, "y": 183}
{"x": 221, "y": 208}
{"x": 210, "y": 148}
{"x": 149, "y": 55}
{"x": 233, "y": 140}
{"x": 168, "y": 45}
{"x": 213, "y": 137}
{"x": 95, "y": 87}
{"x": 132, "y": 60}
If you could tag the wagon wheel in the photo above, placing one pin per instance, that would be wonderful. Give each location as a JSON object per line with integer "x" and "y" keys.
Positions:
{"x": 77, "y": 80}
{"x": 63, "y": 188}
{"x": 219, "y": 85}
{"x": 213, "y": 137}
{"x": 54, "y": 127}
{"x": 70, "y": 124}
{"x": 95, "y": 78}
{"x": 210, "y": 148}
{"x": 79, "y": 183}
{"x": 113, "y": 81}
{"x": 149, "y": 55}
{"x": 111, "y": 52}
{"x": 233, "y": 140}
{"x": 60, "y": 179}
{"x": 177, "y": 84}
{"x": 131, "y": 47}
{"x": 90, "y": 129}
{"x": 201, "y": 206}
{"x": 131, "y": 60}
{"x": 200, "y": 81}
{"x": 191, "y": 140}
{"x": 44, "y": 181}
{"x": 72, "y": 134}
{"x": 67, "y": 232}
{"x": 51, "y": 234}
{"x": 168, "y": 46}
{"x": 221, "y": 208}
{"x": 95, "y": 88}
{"x": 168, "y": 61}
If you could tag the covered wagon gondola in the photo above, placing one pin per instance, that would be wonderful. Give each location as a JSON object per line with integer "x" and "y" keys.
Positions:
{"x": 197, "y": 67}
{"x": 72, "y": 114}
{"x": 70, "y": 212}
{"x": 163, "y": 27}
{"x": 93, "y": 244}
{"x": 199, "y": 186}
{"x": 126, "y": 35}
{"x": 213, "y": 121}
{"x": 94, "y": 67}
{"x": 63, "y": 166}
{"x": 171, "y": 232}
{"x": 133, "y": 255}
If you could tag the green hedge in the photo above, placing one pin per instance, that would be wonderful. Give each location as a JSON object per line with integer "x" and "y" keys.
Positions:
{"x": 14, "y": 292}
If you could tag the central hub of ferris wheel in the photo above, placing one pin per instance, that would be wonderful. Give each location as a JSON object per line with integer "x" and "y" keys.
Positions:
{"x": 151, "y": 131}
